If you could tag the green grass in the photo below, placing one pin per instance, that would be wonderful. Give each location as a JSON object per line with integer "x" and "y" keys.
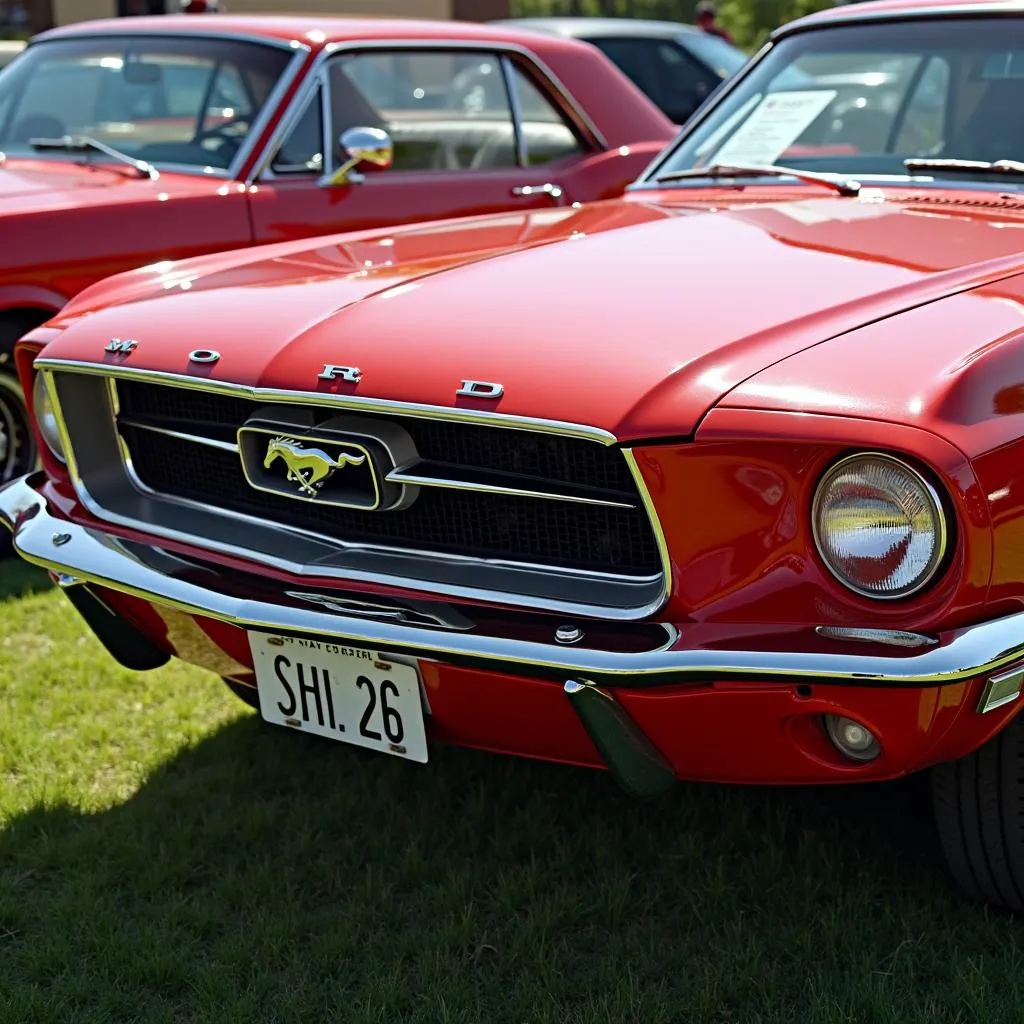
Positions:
{"x": 165, "y": 857}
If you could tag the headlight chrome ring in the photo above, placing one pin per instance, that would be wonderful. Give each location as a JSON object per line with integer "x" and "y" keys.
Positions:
{"x": 879, "y": 526}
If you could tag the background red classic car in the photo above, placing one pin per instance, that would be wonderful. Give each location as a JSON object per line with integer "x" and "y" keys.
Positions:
{"x": 126, "y": 144}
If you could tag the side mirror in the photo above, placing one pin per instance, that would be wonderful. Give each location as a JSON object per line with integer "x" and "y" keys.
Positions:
{"x": 368, "y": 148}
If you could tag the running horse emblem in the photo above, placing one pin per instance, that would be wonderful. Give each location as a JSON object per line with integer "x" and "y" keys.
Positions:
{"x": 308, "y": 467}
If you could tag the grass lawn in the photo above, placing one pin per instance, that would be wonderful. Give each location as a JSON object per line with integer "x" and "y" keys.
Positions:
{"x": 165, "y": 857}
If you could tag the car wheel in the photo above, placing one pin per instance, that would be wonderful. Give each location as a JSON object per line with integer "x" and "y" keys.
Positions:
{"x": 244, "y": 693}
{"x": 18, "y": 454}
{"x": 17, "y": 448}
{"x": 979, "y": 810}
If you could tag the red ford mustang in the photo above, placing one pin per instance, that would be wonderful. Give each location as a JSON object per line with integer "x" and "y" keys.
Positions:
{"x": 720, "y": 480}
{"x": 130, "y": 142}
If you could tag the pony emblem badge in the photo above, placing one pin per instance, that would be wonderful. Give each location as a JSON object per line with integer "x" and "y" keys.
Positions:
{"x": 310, "y": 468}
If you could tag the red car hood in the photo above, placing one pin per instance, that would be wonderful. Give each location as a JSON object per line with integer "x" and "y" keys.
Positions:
{"x": 634, "y": 315}
{"x": 32, "y": 178}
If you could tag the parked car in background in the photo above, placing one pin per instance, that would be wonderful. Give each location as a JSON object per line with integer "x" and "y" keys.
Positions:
{"x": 717, "y": 480}
{"x": 143, "y": 140}
{"x": 677, "y": 66}
{"x": 9, "y": 49}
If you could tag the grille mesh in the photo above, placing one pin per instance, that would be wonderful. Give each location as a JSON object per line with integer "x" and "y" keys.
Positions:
{"x": 530, "y": 530}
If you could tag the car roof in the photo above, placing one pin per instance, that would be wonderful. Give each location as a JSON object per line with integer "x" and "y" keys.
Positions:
{"x": 310, "y": 30}
{"x": 591, "y": 28}
{"x": 883, "y": 10}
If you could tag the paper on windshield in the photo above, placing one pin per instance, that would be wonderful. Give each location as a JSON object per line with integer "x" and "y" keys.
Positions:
{"x": 779, "y": 120}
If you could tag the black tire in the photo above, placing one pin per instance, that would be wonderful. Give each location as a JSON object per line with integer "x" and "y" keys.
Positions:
{"x": 18, "y": 454}
{"x": 246, "y": 694}
{"x": 17, "y": 446}
{"x": 979, "y": 810}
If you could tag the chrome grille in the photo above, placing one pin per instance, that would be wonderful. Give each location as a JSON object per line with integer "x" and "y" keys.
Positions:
{"x": 514, "y": 511}
{"x": 575, "y": 534}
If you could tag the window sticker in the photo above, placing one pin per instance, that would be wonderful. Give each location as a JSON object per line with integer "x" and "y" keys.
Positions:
{"x": 779, "y": 120}
{"x": 727, "y": 125}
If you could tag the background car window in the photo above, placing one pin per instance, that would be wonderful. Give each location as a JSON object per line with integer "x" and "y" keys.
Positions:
{"x": 303, "y": 149}
{"x": 149, "y": 98}
{"x": 443, "y": 110}
{"x": 546, "y": 134}
{"x": 723, "y": 58}
{"x": 673, "y": 80}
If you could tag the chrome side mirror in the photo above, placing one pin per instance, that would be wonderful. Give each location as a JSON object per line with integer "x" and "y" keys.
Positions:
{"x": 370, "y": 148}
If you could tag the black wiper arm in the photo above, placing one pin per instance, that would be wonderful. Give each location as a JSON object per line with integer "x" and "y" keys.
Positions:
{"x": 85, "y": 144}
{"x": 844, "y": 186}
{"x": 1013, "y": 168}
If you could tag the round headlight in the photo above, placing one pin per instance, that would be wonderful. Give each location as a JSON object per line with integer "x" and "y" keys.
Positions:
{"x": 46, "y": 421}
{"x": 879, "y": 526}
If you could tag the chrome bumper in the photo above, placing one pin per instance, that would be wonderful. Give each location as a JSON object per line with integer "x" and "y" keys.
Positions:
{"x": 78, "y": 555}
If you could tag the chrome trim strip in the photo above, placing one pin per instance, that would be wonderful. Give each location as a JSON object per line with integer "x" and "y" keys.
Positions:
{"x": 639, "y": 588}
{"x": 400, "y": 476}
{"x": 93, "y": 557}
{"x": 440, "y": 412}
{"x": 895, "y": 637}
{"x": 664, "y": 554}
{"x": 224, "y": 446}
{"x": 517, "y": 110}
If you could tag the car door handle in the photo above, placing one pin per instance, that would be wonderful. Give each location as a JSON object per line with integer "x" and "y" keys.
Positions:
{"x": 549, "y": 189}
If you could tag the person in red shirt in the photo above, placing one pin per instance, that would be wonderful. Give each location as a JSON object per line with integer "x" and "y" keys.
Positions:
{"x": 706, "y": 20}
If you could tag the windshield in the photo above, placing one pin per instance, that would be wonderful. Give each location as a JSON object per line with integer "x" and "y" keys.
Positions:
{"x": 862, "y": 99}
{"x": 184, "y": 100}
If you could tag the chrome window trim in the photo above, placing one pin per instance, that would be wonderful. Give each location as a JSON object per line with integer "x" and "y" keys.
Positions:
{"x": 516, "y": 108}
{"x": 663, "y": 579}
{"x": 316, "y": 78}
{"x": 317, "y": 73}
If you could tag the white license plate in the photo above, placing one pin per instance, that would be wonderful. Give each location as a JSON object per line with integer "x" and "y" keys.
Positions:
{"x": 340, "y": 692}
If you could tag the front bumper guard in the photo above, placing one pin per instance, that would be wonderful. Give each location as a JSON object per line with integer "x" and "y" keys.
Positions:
{"x": 80, "y": 555}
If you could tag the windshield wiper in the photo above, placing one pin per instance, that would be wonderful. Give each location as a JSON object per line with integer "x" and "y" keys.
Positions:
{"x": 844, "y": 186}
{"x": 1012, "y": 168}
{"x": 85, "y": 144}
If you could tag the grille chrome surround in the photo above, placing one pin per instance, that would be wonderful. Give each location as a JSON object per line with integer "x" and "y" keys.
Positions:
{"x": 102, "y": 471}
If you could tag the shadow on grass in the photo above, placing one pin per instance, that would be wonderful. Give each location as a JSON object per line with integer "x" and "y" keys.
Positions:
{"x": 19, "y": 579}
{"x": 262, "y": 876}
